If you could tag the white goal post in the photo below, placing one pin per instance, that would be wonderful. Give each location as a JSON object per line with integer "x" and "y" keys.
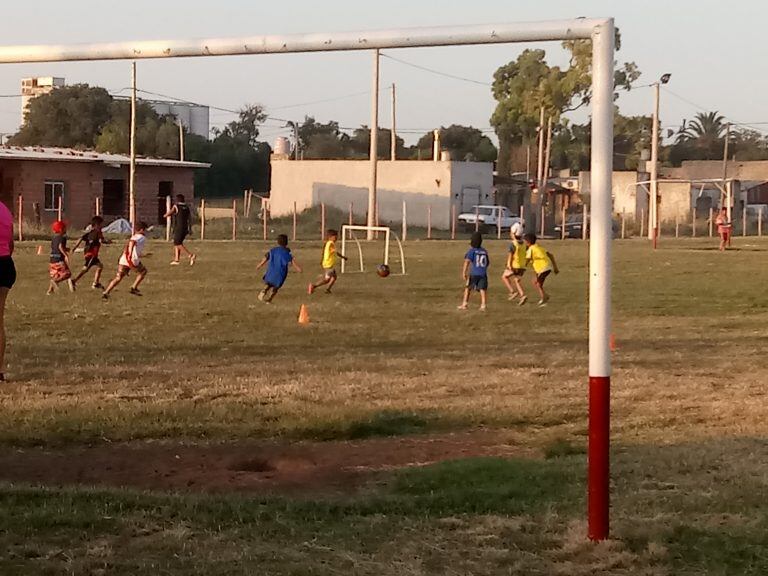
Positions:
{"x": 348, "y": 230}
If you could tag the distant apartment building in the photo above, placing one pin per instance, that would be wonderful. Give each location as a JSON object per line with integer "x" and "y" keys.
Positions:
{"x": 33, "y": 87}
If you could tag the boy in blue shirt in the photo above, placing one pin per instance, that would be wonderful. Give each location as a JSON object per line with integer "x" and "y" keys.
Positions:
{"x": 278, "y": 260}
{"x": 475, "y": 271}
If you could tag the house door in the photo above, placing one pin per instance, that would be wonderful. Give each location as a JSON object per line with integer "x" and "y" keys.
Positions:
{"x": 113, "y": 195}
{"x": 164, "y": 189}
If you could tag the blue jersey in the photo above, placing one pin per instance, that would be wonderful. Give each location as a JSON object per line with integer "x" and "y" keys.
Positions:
{"x": 278, "y": 260}
{"x": 478, "y": 261}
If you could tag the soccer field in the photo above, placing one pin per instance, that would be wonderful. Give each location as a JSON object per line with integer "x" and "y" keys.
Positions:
{"x": 195, "y": 430}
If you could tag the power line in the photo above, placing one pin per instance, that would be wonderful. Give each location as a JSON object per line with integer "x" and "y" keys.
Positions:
{"x": 437, "y": 72}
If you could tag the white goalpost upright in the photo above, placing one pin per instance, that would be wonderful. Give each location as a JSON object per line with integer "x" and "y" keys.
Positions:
{"x": 599, "y": 30}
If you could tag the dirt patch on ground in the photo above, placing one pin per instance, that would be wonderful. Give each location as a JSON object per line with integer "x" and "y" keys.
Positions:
{"x": 257, "y": 466}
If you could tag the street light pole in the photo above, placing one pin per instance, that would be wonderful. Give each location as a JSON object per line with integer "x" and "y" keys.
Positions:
{"x": 654, "y": 197}
{"x": 726, "y": 190}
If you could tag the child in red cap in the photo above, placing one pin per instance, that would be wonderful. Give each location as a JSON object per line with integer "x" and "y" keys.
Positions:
{"x": 58, "y": 267}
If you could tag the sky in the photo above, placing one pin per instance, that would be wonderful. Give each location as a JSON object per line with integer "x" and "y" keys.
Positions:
{"x": 714, "y": 52}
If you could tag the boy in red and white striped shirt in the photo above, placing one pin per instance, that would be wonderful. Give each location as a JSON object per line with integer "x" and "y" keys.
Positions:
{"x": 131, "y": 260}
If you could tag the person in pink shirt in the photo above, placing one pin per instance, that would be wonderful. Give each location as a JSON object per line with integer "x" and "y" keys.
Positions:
{"x": 7, "y": 274}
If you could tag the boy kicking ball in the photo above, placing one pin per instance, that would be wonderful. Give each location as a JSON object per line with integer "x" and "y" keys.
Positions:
{"x": 516, "y": 263}
{"x": 277, "y": 260}
{"x": 475, "y": 272}
{"x": 330, "y": 257}
{"x": 131, "y": 260}
{"x": 543, "y": 264}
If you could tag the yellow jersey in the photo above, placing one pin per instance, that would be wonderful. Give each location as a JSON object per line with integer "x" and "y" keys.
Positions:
{"x": 539, "y": 259}
{"x": 329, "y": 254}
{"x": 517, "y": 256}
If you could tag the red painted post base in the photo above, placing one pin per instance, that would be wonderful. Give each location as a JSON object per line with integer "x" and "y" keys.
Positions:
{"x": 598, "y": 492}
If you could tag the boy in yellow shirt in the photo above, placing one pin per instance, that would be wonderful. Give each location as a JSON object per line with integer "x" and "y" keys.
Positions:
{"x": 516, "y": 263}
{"x": 330, "y": 257}
{"x": 543, "y": 264}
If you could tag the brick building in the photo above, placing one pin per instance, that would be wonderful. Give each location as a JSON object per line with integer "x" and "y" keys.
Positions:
{"x": 43, "y": 175}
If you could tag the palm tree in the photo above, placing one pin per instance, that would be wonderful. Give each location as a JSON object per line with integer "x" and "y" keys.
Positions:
{"x": 704, "y": 129}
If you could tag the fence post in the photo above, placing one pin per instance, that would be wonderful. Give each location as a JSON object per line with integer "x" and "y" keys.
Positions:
{"x": 245, "y": 203}
{"x": 693, "y": 223}
{"x": 498, "y": 225}
{"x": 234, "y": 220}
{"x": 264, "y": 219}
{"x": 60, "y": 210}
{"x": 322, "y": 221}
{"x": 642, "y": 222}
{"x": 98, "y": 206}
{"x": 429, "y": 221}
{"x": 202, "y": 219}
{"x": 677, "y": 225}
{"x": 351, "y": 213}
{"x": 744, "y": 220}
{"x": 477, "y": 219}
{"x": 585, "y": 223}
{"x": 522, "y": 215}
{"x": 168, "y": 219}
{"x": 21, "y": 218}
{"x": 293, "y": 236}
{"x": 405, "y": 221}
{"x": 562, "y": 222}
{"x": 711, "y": 221}
{"x": 541, "y": 230}
{"x": 453, "y": 221}
{"x": 623, "y": 224}
{"x": 760, "y": 221}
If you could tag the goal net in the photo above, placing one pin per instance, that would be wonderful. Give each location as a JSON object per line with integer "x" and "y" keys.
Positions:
{"x": 348, "y": 236}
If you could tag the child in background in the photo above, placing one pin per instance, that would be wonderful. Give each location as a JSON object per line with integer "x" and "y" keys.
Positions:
{"x": 93, "y": 239}
{"x": 723, "y": 228}
{"x": 58, "y": 267}
{"x": 543, "y": 264}
{"x": 475, "y": 272}
{"x": 131, "y": 260}
{"x": 330, "y": 257}
{"x": 516, "y": 263}
{"x": 277, "y": 260}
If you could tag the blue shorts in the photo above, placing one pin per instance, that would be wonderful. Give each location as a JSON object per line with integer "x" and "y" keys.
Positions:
{"x": 478, "y": 283}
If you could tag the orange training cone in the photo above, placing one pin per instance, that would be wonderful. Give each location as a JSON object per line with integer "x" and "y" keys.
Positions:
{"x": 612, "y": 343}
{"x": 303, "y": 315}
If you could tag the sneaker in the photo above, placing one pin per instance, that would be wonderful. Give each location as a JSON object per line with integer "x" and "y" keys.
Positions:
{"x": 136, "y": 292}
{"x": 542, "y": 303}
{"x": 523, "y": 300}
{"x": 482, "y": 308}
{"x": 71, "y": 285}
{"x": 175, "y": 263}
{"x": 192, "y": 259}
{"x": 105, "y": 296}
{"x": 511, "y": 297}
{"x": 97, "y": 286}
{"x": 462, "y": 307}
{"x": 310, "y": 289}
{"x": 328, "y": 291}
{"x": 261, "y": 295}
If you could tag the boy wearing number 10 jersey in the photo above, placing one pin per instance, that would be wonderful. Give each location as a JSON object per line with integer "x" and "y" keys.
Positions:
{"x": 475, "y": 271}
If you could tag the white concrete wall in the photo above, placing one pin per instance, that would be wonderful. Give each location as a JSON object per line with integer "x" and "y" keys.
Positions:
{"x": 338, "y": 183}
{"x": 628, "y": 196}
{"x": 675, "y": 201}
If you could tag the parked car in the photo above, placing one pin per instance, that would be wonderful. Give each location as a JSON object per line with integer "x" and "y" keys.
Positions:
{"x": 488, "y": 218}
{"x": 574, "y": 224}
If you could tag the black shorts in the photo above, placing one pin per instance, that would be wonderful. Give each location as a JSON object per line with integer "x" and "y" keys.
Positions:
{"x": 179, "y": 236}
{"x": 478, "y": 283}
{"x": 543, "y": 276}
{"x": 91, "y": 261}
{"x": 7, "y": 272}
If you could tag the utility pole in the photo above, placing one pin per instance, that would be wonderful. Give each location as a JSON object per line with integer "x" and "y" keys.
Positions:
{"x": 545, "y": 170}
{"x": 374, "y": 153}
{"x": 296, "y": 138}
{"x": 726, "y": 188}
{"x": 436, "y": 145}
{"x": 654, "y": 196}
{"x": 540, "y": 166}
{"x": 653, "y": 208}
{"x": 393, "y": 141}
{"x": 181, "y": 140}
{"x": 132, "y": 173}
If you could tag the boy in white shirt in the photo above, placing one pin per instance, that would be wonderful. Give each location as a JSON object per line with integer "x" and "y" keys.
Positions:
{"x": 131, "y": 260}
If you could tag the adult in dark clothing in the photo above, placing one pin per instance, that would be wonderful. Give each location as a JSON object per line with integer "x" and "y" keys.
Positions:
{"x": 7, "y": 274}
{"x": 182, "y": 226}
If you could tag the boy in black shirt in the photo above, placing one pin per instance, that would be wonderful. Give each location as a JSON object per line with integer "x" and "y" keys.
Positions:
{"x": 182, "y": 226}
{"x": 93, "y": 239}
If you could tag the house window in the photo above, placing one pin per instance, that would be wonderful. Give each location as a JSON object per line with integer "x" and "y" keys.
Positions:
{"x": 53, "y": 191}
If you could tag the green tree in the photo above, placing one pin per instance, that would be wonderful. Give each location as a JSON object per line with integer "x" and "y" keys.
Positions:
{"x": 463, "y": 142}
{"x": 68, "y": 117}
{"x": 701, "y": 139}
{"x": 155, "y": 135}
{"x": 246, "y": 127}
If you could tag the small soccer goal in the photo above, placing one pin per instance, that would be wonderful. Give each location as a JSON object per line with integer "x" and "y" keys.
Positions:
{"x": 348, "y": 234}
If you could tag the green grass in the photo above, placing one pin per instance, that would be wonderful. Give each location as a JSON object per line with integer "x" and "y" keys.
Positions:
{"x": 198, "y": 360}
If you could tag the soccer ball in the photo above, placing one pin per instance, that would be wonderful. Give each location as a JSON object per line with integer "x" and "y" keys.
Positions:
{"x": 382, "y": 270}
